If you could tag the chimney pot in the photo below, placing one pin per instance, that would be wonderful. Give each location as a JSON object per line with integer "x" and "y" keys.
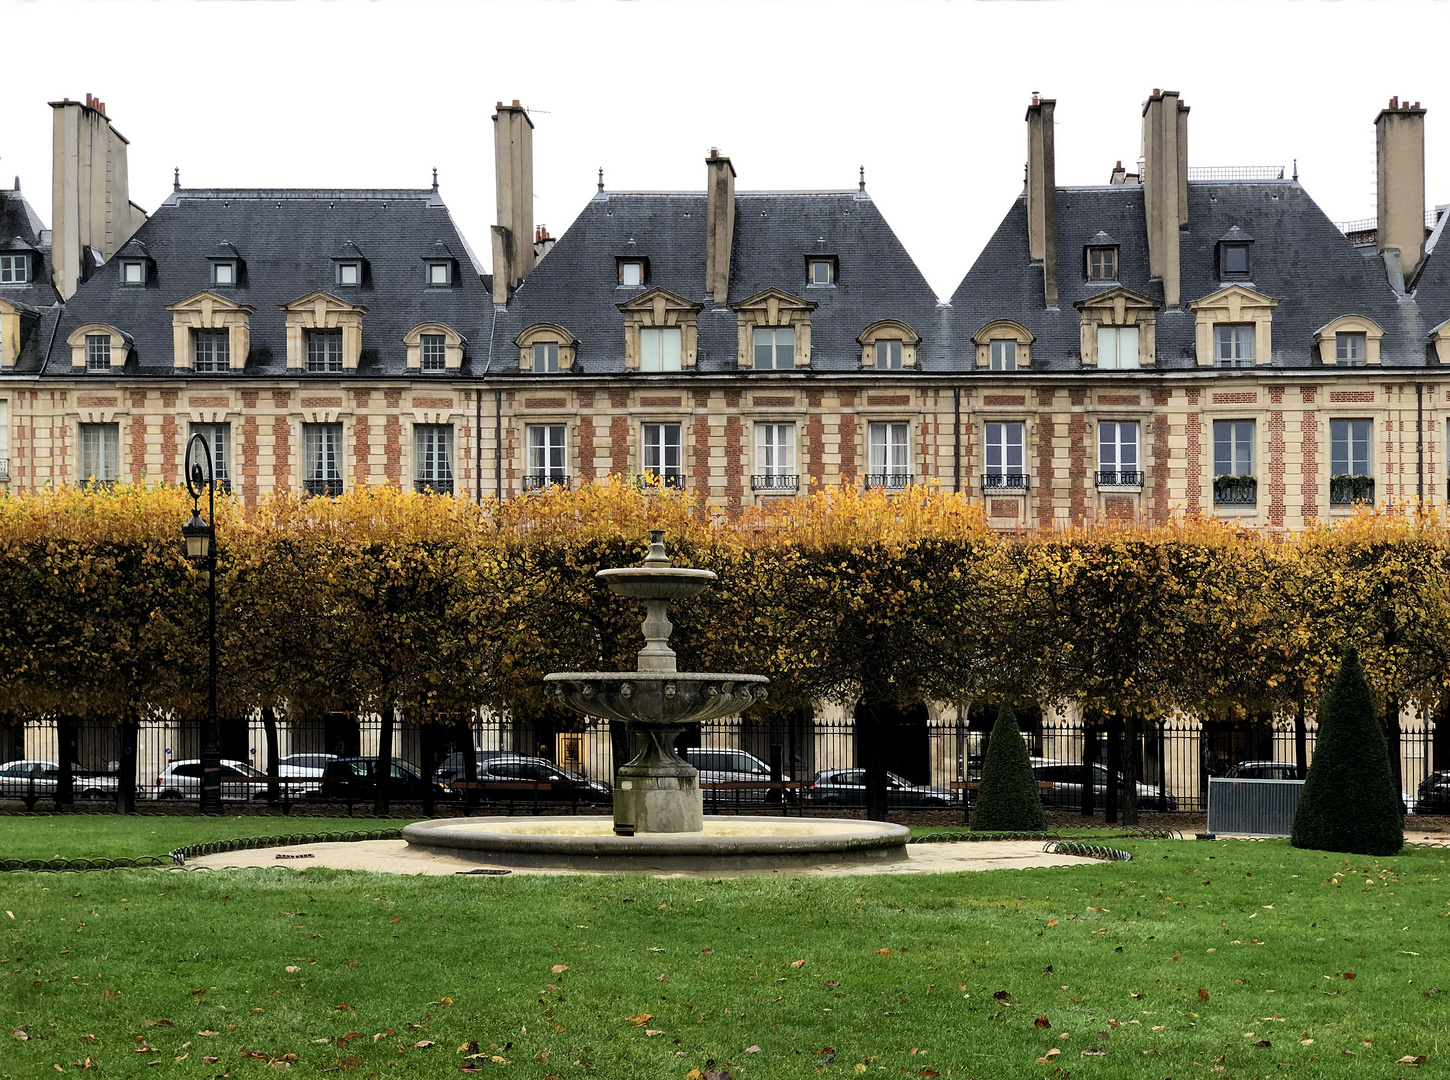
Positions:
{"x": 1400, "y": 183}
{"x": 498, "y": 104}
{"x": 516, "y": 103}
{"x": 1395, "y": 102}
{"x": 1157, "y": 92}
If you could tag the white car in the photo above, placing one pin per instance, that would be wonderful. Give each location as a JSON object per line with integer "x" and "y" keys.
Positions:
{"x": 182, "y": 780}
{"x": 726, "y": 766}
{"x": 18, "y": 779}
{"x": 305, "y": 765}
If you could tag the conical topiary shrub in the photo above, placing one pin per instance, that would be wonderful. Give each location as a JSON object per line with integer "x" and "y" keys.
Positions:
{"x": 1007, "y": 799}
{"x": 1349, "y": 802}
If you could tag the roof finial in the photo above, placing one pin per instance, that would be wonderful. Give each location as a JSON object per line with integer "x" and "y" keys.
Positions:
{"x": 1296, "y": 170}
{"x": 435, "y": 177}
{"x": 176, "y": 179}
{"x": 601, "y": 178}
{"x": 863, "y": 177}
{"x": 17, "y": 183}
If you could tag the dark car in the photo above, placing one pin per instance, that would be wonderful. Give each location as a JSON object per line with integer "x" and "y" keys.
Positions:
{"x": 847, "y": 787}
{"x": 1264, "y": 770}
{"x": 452, "y": 767}
{"x": 354, "y": 779}
{"x": 1066, "y": 781}
{"x": 517, "y": 778}
{"x": 1433, "y": 795}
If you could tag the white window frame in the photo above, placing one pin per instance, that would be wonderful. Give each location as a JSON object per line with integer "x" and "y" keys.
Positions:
{"x": 14, "y": 268}
{"x": 432, "y": 352}
{"x": 660, "y": 348}
{"x": 1118, "y": 348}
{"x": 224, "y": 273}
{"x": 215, "y": 359}
{"x": 1351, "y": 444}
{"x": 1118, "y": 445}
{"x": 817, "y": 277}
{"x": 433, "y": 458}
{"x": 631, "y": 273}
{"x": 889, "y": 448}
{"x": 775, "y": 449}
{"x": 1240, "y": 442}
{"x": 775, "y": 341}
{"x": 1230, "y": 340}
{"x": 1004, "y": 448}
{"x": 98, "y": 352}
{"x": 219, "y": 442}
{"x": 1350, "y": 347}
{"x": 657, "y": 448}
{"x": 324, "y": 359}
{"x": 322, "y": 455}
{"x": 888, "y": 354}
{"x": 1003, "y": 354}
{"x": 439, "y": 274}
{"x": 1097, "y": 268}
{"x": 547, "y": 446}
{"x": 546, "y": 357}
{"x": 128, "y": 266}
{"x": 344, "y": 269}
{"x": 100, "y": 453}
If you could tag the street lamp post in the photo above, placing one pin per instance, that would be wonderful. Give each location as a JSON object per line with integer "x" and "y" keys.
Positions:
{"x": 200, "y": 536}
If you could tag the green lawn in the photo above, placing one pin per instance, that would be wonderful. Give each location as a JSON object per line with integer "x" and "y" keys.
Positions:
{"x": 104, "y": 836}
{"x": 1179, "y": 963}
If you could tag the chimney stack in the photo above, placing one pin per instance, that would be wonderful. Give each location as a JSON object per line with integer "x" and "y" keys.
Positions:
{"x": 1042, "y": 194}
{"x": 1165, "y": 186}
{"x": 719, "y": 225}
{"x": 1400, "y": 172}
{"x": 513, "y": 248}
{"x": 91, "y": 211}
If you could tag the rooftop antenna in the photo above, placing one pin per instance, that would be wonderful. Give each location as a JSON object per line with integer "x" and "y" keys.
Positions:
{"x": 601, "y": 178}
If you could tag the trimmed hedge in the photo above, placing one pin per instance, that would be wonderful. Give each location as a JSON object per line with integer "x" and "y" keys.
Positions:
{"x": 1007, "y": 799}
{"x": 1349, "y": 802}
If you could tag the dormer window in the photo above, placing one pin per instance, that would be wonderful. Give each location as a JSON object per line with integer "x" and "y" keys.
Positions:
{"x": 888, "y": 354}
{"x": 1349, "y": 348}
{"x": 1004, "y": 354}
{"x": 14, "y": 269}
{"x": 432, "y": 352}
{"x": 822, "y": 272}
{"x": 223, "y": 272}
{"x": 546, "y": 356}
{"x": 1234, "y": 263}
{"x": 133, "y": 272}
{"x": 1102, "y": 263}
{"x": 440, "y": 273}
{"x": 631, "y": 273}
{"x": 349, "y": 273}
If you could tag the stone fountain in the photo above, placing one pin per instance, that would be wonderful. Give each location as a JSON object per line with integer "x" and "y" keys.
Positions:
{"x": 659, "y": 811}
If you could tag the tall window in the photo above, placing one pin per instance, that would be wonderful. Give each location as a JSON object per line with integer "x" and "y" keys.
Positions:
{"x": 98, "y": 352}
{"x": 1102, "y": 264}
{"x": 1118, "y": 452}
{"x": 433, "y": 458}
{"x": 1004, "y": 355}
{"x": 1004, "y": 456}
{"x": 219, "y": 441}
{"x": 322, "y": 458}
{"x": 775, "y": 451}
{"x": 1233, "y": 344}
{"x": 890, "y": 460}
{"x": 100, "y": 453}
{"x": 1117, "y": 347}
{"x": 211, "y": 350}
{"x": 14, "y": 269}
{"x": 659, "y": 349}
{"x": 888, "y": 355}
{"x": 432, "y": 352}
{"x": 774, "y": 348}
{"x": 1349, "y": 447}
{"x": 324, "y": 350}
{"x": 661, "y": 452}
{"x": 548, "y": 461}
{"x": 1349, "y": 348}
{"x": 546, "y": 356}
{"x": 1233, "y": 448}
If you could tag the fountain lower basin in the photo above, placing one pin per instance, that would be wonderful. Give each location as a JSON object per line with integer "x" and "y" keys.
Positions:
{"x": 724, "y": 843}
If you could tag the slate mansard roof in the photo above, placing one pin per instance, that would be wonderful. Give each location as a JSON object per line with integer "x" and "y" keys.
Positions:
{"x": 21, "y": 230}
{"x": 1298, "y": 257}
{"x": 286, "y": 241}
{"x": 775, "y": 234}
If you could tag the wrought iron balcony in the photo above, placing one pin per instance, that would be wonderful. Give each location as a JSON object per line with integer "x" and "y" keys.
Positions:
{"x": 775, "y": 482}
{"x": 892, "y": 481}
{"x": 4, "y": 469}
{"x": 1235, "y": 490}
{"x": 1347, "y": 489}
{"x": 1120, "y": 478}
{"x": 92, "y": 484}
{"x": 665, "y": 479}
{"x": 539, "y": 481}
{"x": 1014, "y": 483}
{"x": 433, "y": 487}
{"x": 330, "y": 488}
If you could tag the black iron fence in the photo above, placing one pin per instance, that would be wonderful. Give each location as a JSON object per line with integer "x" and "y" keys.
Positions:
{"x": 799, "y": 764}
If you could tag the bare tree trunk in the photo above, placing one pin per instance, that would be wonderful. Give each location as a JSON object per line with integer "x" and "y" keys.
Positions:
{"x": 869, "y": 739}
{"x": 1089, "y": 769}
{"x": 1131, "y": 756}
{"x": 67, "y": 752}
{"x": 383, "y": 767}
{"x": 269, "y": 730}
{"x": 470, "y": 760}
{"x": 1115, "y": 763}
{"x": 126, "y": 774}
{"x": 1301, "y": 738}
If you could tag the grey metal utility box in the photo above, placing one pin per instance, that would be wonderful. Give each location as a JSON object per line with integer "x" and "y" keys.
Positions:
{"x": 1252, "y": 807}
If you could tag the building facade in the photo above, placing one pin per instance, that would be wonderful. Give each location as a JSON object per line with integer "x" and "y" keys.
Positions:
{"x": 1179, "y": 339}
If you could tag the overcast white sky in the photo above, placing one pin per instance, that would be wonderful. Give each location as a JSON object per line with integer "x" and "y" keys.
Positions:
{"x": 929, "y": 96}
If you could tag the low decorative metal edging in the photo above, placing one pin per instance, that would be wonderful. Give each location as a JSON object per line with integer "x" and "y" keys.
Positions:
{"x": 1089, "y": 851}
{"x": 178, "y": 856}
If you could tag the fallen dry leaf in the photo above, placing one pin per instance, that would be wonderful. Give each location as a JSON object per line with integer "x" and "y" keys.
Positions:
{"x": 291, "y": 969}
{"x": 641, "y": 1020}
{"x": 1262, "y": 1044}
{"x": 1350, "y": 975}
{"x": 208, "y": 1032}
{"x": 883, "y": 952}
{"x": 18, "y": 1034}
{"x": 753, "y": 1048}
{"x": 1045, "y": 1058}
{"x": 559, "y": 969}
{"x": 1042, "y": 1022}
{"x": 1202, "y": 993}
{"x": 1412, "y": 1060}
{"x": 798, "y": 963}
{"x": 1093, "y": 1051}
{"x": 423, "y": 1044}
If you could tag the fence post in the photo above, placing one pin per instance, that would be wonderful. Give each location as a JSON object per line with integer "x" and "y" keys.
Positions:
{"x": 65, "y": 781}
{"x": 126, "y": 776}
{"x": 1301, "y": 738}
{"x": 427, "y": 767}
{"x": 1089, "y": 769}
{"x": 1392, "y": 735}
{"x": 1115, "y": 765}
{"x": 383, "y": 768}
{"x": 777, "y": 753}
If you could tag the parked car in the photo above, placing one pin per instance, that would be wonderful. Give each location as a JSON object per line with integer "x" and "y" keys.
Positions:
{"x": 354, "y": 779}
{"x": 501, "y": 778}
{"x": 847, "y": 787}
{"x": 20, "y": 779}
{"x": 308, "y": 765}
{"x": 240, "y": 781}
{"x": 733, "y": 766}
{"x": 1264, "y": 770}
{"x": 1433, "y": 795}
{"x": 1067, "y": 779}
{"x": 452, "y": 767}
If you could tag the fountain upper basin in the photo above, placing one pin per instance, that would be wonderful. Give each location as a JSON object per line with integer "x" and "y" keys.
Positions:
{"x": 589, "y": 843}
{"x": 663, "y": 699}
{"x": 656, "y": 582}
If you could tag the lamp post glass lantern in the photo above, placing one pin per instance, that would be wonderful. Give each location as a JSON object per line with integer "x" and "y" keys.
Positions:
{"x": 200, "y": 536}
